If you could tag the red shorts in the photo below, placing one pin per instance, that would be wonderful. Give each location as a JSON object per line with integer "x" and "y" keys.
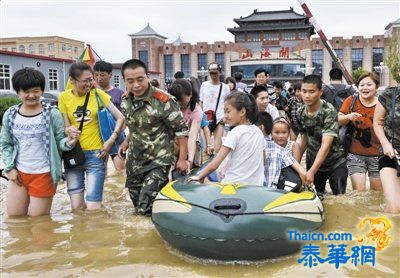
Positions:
{"x": 38, "y": 185}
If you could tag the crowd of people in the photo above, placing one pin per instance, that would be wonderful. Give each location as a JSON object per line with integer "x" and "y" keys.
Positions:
{"x": 256, "y": 133}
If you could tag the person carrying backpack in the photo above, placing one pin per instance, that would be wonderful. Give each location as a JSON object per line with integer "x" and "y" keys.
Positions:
{"x": 336, "y": 92}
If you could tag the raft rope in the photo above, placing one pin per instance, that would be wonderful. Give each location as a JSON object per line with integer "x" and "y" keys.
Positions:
{"x": 227, "y": 215}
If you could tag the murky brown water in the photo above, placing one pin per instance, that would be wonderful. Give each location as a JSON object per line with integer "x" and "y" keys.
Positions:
{"x": 115, "y": 242}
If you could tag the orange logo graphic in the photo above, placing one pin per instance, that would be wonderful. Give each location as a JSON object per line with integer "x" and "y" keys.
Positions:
{"x": 378, "y": 233}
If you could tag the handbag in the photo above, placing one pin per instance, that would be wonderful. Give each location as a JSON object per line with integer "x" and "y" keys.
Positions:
{"x": 76, "y": 157}
{"x": 212, "y": 115}
{"x": 346, "y": 131}
{"x": 107, "y": 125}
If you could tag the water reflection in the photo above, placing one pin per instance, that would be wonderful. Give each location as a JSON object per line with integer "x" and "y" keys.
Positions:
{"x": 115, "y": 242}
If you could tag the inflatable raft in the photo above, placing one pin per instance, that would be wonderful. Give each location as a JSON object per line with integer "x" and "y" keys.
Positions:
{"x": 234, "y": 222}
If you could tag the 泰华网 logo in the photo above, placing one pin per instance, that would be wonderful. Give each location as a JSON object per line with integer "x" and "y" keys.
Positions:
{"x": 343, "y": 247}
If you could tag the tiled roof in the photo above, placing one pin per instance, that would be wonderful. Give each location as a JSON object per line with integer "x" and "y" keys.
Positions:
{"x": 147, "y": 31}
{"x": 272, "y": 28}
{"x": 271, "y": 16}
{"x": 178, "y": 41}
{"x": 395, "y": 23}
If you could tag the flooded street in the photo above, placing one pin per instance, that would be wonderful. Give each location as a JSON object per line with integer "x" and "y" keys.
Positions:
{"x": 115, "y": 242}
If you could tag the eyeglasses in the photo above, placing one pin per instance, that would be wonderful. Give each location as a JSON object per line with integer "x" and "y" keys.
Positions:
{"x": 87, "y": 81}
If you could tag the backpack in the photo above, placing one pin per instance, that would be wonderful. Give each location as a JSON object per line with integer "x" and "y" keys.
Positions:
{"x": 339, "y": 95}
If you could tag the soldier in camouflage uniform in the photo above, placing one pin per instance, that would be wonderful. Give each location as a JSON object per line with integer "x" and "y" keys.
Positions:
{"x": 154, "y": 119}
{"x": 388, "y": 108}
{"x": 319, "y": 128}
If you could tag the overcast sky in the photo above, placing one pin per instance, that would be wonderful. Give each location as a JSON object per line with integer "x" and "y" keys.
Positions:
{"x": 106, "y": 24}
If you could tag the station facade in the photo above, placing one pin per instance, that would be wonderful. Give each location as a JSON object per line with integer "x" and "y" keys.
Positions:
{"x": 280, "y": 41}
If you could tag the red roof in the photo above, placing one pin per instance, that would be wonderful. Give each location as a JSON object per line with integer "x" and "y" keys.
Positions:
{"x": 42, "y": 57}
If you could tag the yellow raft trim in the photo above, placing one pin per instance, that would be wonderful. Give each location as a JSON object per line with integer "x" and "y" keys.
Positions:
{"x": 290, "y": 198}
{"x": 170, "y": 192}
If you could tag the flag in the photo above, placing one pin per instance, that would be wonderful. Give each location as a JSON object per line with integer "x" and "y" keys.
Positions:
{"x": 88, "y": 56}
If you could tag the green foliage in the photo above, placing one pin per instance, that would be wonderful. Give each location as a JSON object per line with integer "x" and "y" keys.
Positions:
{"x": 393, "y": 58}
{"x": 7, "y": 102}
{"x": 357, "y": 73}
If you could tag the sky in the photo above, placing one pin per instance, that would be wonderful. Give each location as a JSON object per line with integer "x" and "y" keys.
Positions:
{"x": 106, "y": 25}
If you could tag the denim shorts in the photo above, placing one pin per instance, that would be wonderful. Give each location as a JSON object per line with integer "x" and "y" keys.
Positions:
{"x": 363, "y": 164}
{"x": 93, "y": 170}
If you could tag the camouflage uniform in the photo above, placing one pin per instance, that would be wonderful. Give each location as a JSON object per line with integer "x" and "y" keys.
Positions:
{"x": 153, "y": 119}
{"x": 392, "y": 130}
{"x": 324, "y": 122}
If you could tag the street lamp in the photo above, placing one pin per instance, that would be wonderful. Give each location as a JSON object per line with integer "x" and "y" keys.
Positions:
{"x": 380, "y": 70}
{"x": 202, "y": 72}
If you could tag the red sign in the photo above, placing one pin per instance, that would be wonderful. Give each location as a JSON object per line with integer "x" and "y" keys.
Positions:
{"x": 284, "y": 52}
{"x": 248, "y": 54}
{"x": 265, "y": 53}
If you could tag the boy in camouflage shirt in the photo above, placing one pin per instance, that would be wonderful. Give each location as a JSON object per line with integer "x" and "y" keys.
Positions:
{"x": 319, "y": 128}
{"x": 154, "y": 119}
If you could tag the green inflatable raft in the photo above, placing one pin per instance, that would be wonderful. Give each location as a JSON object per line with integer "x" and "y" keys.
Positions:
{"x": 234, "y": 222}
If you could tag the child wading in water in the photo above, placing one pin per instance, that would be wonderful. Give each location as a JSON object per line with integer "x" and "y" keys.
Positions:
{"x": 281, "y": 133}
{"x": 244, "y": 143}
{"x": 32, "y": 138}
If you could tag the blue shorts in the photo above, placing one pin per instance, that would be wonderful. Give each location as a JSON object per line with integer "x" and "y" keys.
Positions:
{"x": 94, "y": 170}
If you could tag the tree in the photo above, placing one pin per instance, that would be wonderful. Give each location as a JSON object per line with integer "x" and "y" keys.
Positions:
{"x": 357, "y": 73}
{"x": 393, "y": 58}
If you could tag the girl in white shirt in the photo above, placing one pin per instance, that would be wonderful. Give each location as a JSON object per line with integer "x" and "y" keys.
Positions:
{"x": 244, "y": 144}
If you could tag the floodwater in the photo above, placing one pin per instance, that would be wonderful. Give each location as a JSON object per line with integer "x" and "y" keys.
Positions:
{"x": 115, "y": 242}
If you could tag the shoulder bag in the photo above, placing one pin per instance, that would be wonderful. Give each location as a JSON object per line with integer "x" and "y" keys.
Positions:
{"x": 76, "y": 156}
{"x": 107, "y": 125}
{"x": 212, "y": 115}
{"x": 346, "y": 131}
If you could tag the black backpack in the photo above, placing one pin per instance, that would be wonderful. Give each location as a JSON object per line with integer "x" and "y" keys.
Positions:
{"x": 339, "y": 94}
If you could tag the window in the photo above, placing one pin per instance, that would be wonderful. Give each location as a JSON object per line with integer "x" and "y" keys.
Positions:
{"x": 41, "y": 49}
{"x": 289, "y": 36}
{"x": 69, "y": 48}
{"x": 302, "y": 35}
{"x": 185, "y": 64}
{"x": 144, "y": 57}
{"x": 168, "y": 67}
{"x": 240, "y": 38}
{"x": 22, "y": 48}
{"x": 31, "y": 49}
{"x": 75, "y": 50}
{"x": 377, "y": 56}
{"x": 116, "y": 81}
{"x": 5, "y": 49}
{"x": 220, "y": 59}
{"x": 14, "y": 49}
{"x": 202, "y": 61}
{"x": 356, "y": 58}
{"x": 339, "y": 53}
{"x": 50, "y": 46}
{"x": 271, "y": 36}
{"x": 317, "y": 57}
{"x": 53, "y": 79}
{"x": 5, "y": 77}
{"x": 278, "y": 71}
{"x": 253, "y": 37}
{"x": 63, "y": 47}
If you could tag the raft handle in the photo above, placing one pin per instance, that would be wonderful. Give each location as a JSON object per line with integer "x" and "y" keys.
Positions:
{"x": 228, "y": 207}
